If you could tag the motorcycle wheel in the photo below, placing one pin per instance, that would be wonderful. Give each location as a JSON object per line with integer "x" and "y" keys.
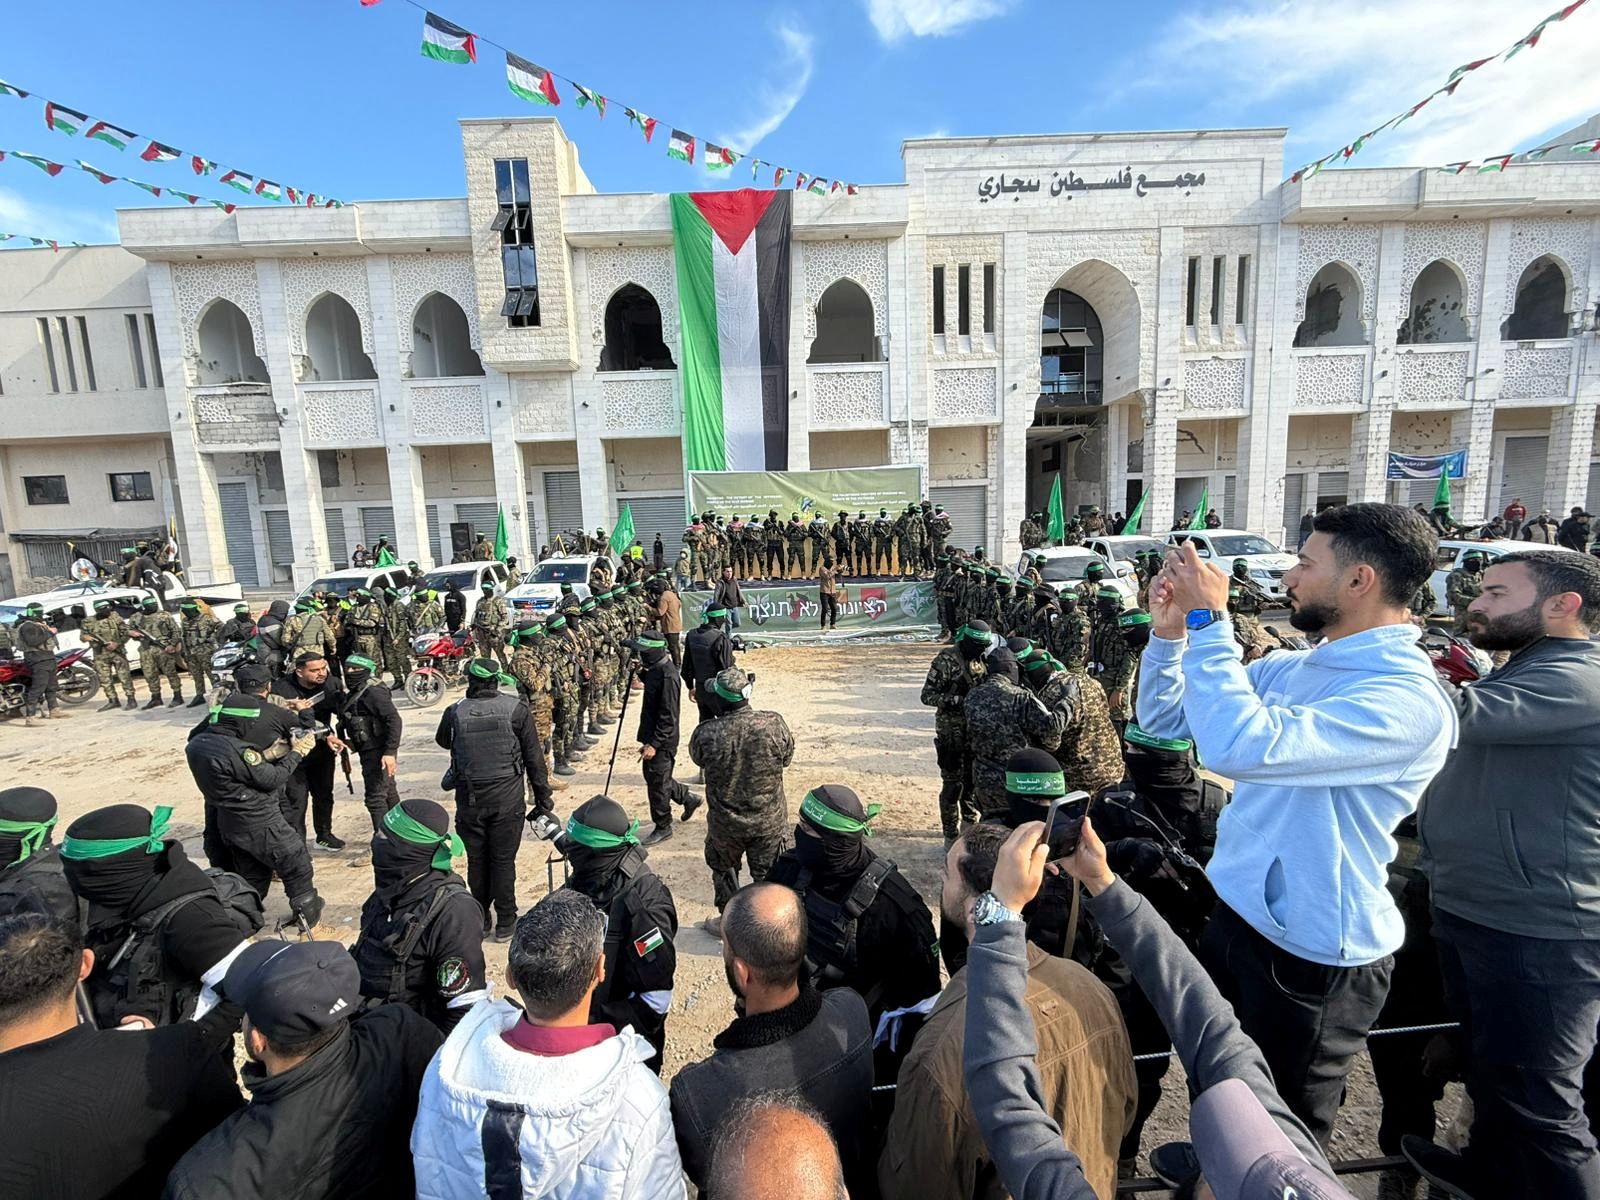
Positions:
{"x": 77, "y": 684}
{"x": 424, "y": 688}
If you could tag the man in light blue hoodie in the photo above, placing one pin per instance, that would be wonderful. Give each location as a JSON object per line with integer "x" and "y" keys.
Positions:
{"x": 1329, "y": 750}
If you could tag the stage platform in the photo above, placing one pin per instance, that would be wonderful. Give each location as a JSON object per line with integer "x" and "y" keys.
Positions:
{"x": 788, "y": 611}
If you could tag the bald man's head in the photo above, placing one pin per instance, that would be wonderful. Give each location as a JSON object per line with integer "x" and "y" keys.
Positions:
{"x": 774, "y": 1146}
{"x": 764, "y": 927}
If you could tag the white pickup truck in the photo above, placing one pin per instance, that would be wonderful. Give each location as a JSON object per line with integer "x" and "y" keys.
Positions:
{"x": 66, "y": 608}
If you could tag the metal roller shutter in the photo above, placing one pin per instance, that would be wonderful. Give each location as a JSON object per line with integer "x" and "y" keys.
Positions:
{"x": 1412, "y": 492}
{"x": 1294, "y": 494}
{"x": 337, "y": 550}
{"x": 484, "y": 519}
{"x": 439, "y": 554}
{"x": 280, "y": 543}
{"x": 1522, "y": 472}
{"x": 563, "y": 502}
{"x": 968, "y": 510}
{"x": 47, "y": 560}
{"x": 1591, "y": 497}
{"x": 1333, "y": 486}
{"x": 666, "y": 515}
{"x": 376, "y": 523}
{"x": 234, "y": 499}
{"x": 1229, "y": 486}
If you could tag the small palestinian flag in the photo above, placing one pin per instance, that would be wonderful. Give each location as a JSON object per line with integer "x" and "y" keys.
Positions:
{"x": 294, "y": 196}
{"x": 311, "y": 199}
{"x": 800, "y": 178}
{"x": 102, "y": 132}
{"x": 63, "y": 120}
{"x": 201, "y": 166}
{"x": 1454, "y": 168}
{"x": 185, "y": 195}
{"x": 238, "y": 179}
{"x": 777, "y": 176}
{"x": 149, "y": 187}
{"x": 446, "y": 42}
{"x": 156, "y": 152}
{"x": 44, "y": 164}
{"x": 96, "y": 172}
{"x": 7, "y": 90}
{"x": 755, "y": 168}
{"x": 681, "y": 146}
{"x": 649, "y": 943}
{"x": 1498, "y": 163}
{"x": 719, "y": 158}
{"x": 851, "y": 189}
{"x": 818, "y": 187}
{"x": 530, "y": 81}
{"x": 1587, "y": 148}
{"x": 586, "y": 98}
{"x": 268, "y": 190}
{"x": 223, "y": 205}
{"x": 646, "y": 125}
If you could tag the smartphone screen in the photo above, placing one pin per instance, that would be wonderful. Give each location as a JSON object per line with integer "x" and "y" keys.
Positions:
{"x": 1064, "y": 823}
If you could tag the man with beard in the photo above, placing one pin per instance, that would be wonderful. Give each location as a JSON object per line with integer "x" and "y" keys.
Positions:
{"x": 32, "y": 879}
{"x": 1002, "y": 718}
{"x": 1511, "y": 854}
{"x": 950, "y": 678}
{"x": 660, "y": 729}
{"x": 866, "y": 927}
{"x": 743, "y": 754}
{"x": 1329, "y": 751}
{"x": 421, "y": 938}
{"x": 161, "y": 931}
{"x": 317, "y": 698}
{"x": 641, "y": 957}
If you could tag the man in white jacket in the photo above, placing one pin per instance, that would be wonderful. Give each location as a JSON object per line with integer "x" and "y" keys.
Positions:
{"x": 540, "y": 1103}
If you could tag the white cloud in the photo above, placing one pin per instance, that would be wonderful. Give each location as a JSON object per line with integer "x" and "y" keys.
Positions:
{"x": 896, "y": 19}
{"x": 793, "y": 73}
{"x": 18, "y": 214}
{"x": 1335, "y": 73}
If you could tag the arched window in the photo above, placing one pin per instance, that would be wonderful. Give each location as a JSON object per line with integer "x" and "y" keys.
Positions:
{"x": 441, "y": 340}
{"x": 844, "y": 326}
{"x": 1540, "y": 310}
{"x": 333, "y": 341}
{"x": 1436, "y": 308}
{"x": 227, "y": 347}
{"x": 1333, "y": 310}
{"x": 1071, "y": 349}
{"x": 633, "y": 333}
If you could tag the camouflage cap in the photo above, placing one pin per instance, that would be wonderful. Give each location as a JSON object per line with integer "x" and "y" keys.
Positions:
{"x": 733, "y": 685}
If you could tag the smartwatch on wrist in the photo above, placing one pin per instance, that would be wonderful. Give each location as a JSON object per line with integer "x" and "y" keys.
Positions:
{"x": 1199, "y": 618}
{"x": 988, "y": 910}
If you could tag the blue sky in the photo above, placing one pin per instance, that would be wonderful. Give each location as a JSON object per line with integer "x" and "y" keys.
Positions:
{"x": 335, "y": 98}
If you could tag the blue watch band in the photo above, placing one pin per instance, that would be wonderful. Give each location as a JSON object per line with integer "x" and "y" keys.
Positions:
{"x": 1199, "y": 618}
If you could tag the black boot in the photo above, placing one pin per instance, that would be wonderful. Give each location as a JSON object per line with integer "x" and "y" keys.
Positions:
{"x": 197, "y": 702}
{"x": 155, "y": 702}
{"x": 177, "y": 700}
{"x": 562, "y": 767}
{"x": 131, "y": 704}
{"x": 111, "y": 702}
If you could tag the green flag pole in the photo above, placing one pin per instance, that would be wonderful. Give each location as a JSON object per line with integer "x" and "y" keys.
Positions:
{"x": 502, "y": 542}
{"x": 1136, "y": 517}
{"x": 1198, "y": 521}
{"x": 1057, "y": 532}
{"x": 1441, "y": 494}
{"x": 622, "y": 532}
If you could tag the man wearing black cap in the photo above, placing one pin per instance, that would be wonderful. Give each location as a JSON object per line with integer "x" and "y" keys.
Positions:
{"x": 421, "y": 938}
{"x": 950, "y": 678}
{"x": 659, "y": 732}
{"x": 608, "y": 866}
{"x": 1002, "y": 718}
{"x": 31, "y": 878}
{"x": 494, "y": 756}
{"x": 866, "y": 927}
{"x": 162, "y": 930}
{"x": 706, "y": 651}
{"x": 95, "y": 1112}
{"x": 317, "y": 697}
{"x": 333, "y": 1093}
{"x": 370, "y": 725}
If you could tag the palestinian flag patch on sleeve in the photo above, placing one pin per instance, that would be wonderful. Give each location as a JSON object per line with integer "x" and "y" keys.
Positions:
{"x": 649, "y": 943}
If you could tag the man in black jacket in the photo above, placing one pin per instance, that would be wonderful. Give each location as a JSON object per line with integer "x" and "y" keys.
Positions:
{"x": 455, "y": 606}
{"x": 333, "y": 1094}
{"x": 1574, "y": 531}
{"x": 317, "y": 697}
{"x": 706, "y": 651}
{"x": 95, "y": 1112}
{"x": 421, "y": 939}
{"x": 31, "y": 879}
{"x": 659, "y": 734}
{"x": 787, "y": 1037}
{"x": 241, "y": 787}
{"x": 608, "y": 866}
{"x": 494, "y": 755}
{"x": 370, "y": 725}
{"x": 38, "y": 643}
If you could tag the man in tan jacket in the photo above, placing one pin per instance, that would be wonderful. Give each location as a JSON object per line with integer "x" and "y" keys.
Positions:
{"x": 934, "y": 1149}
{"x": 664, "y": 612}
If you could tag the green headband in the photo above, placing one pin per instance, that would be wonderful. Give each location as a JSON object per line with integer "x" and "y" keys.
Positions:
{"x": 33, "y": 835}
{"x": 1108, "y": 593}
{"x": 599, "y": 839}
{"x": 478, "y": 671}
{"x": 713, "y": 613}
{"x": 1140, "y": 738}
{"x": 361, "y": 663}
{"x": 969, "y": 634}
{"x": 556, "y": 622}
{"x": 646, "y": 642}
{"x": 734, "y": 697}
{"x": 1036, "y": 783}
{"x": 408, "y": 829}
{"x": 821, "y": 815}
{"x": 219, "y": 711}
{"x": 80, "y": 848}
{"x": 1127, "y": 620}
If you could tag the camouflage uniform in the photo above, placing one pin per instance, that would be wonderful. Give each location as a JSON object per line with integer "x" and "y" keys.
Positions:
{"x": 1061, "y": 629}
{"x": 817, "y": 532}
{"x": 557, "y": 651}
{"x": 950, "y": 677}
{"x": 711, "y": 550}
{"x": 200, "y": 633}
{"x": 531, "y": 669}
{"x": 107, "y": 636}
{"x": 429, "y": 616}
{"x": 743, "y": 754}
{"x": 1030, "y": 534}
{"x": 910, "y": 535}
{"x": 882, "y": 543}
{"x": 365, "y": 622}
{"x": 1461, "y": 588}
{"x": 755, "y": 539}
{"x": 861, "y": 544}
{"x": 400, "y": 618}
{"x": 307, "y": 633}
{"x": 160, "y": 652}
{"x": 1003, "y": 718}
{"x": 1114, "y": 664}
{"x": 1090, "y": 753}
{"x": 839, "y": 536}
{"x": 693, "y": 541}
{"x": 795, "y": 534}
{"x": 772, "y": 539}
{"x": 1423, "y": 602}
{"x": 1246, "y": 602}
{"x": 490, "y": 623}
{"x": 938, "y": 530}
{"x": 1017, "y": 613}
{"x": 736, "y": 549}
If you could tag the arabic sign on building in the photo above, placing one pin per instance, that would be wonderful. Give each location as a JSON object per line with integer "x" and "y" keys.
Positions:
{"x": 1067, "y": 184}
{"x": 1427, "y": 466}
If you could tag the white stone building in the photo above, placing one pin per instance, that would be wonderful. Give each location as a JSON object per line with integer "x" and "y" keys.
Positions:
{"x": 1134, "y": 310}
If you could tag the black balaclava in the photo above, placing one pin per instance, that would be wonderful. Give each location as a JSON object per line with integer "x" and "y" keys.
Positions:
{"x": 484, "y": 677}
{"x": 973, "y": 640}
{"x": 237, "y": 715}
{"x": 27, "y": 815}
{"x": 1163, "y": 772}
{"x": 397, "y": 862}
{"x": 358, "y": 668}
{"x": 1033, "y": 779}
{"x": 1002, "y": 664}
{"x": 652, "y": 649}
{"x": 595, "y": 867}
{"x": 1135, "y": 628}
{"x": 114, "y": 882}
{"x": 840, "y": 853}
{"x": 278, "y": 610}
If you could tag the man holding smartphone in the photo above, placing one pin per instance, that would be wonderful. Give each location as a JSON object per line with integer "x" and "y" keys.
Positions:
{"x": 1329, "y": 750}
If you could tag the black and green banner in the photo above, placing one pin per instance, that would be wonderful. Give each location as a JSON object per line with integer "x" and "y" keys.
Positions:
{"x": 903, "y": 609}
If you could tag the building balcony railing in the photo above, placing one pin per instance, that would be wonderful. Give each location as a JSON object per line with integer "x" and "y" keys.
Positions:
{"x": 1432, "y": 374}
{"x": 1334, "y": 377}
{"x": 1537, "y": 370}
{"x": 447, "y": 410}
{"x": 848, "y": 395}
{"x": 234, "y": 414}
{"x": 341, "y": 414}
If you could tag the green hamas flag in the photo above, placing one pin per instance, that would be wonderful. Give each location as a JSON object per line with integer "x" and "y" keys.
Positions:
{"x": 1441, "y": 495}
{"x": 385, "y": 558}
{"x": 1198, "y": 521}
{"x": 1057, "y": 532}
{"x": 502, "y": 542}
{"x": 1136, "y": 517}
{"x": 622, "y": 533}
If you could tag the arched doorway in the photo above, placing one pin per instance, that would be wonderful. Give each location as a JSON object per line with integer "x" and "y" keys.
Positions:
{"x": 441, "y": 340}
{"x": 844, "y": 326}
{"x": 227, "y": 347}
{"x": 1540, "y": 307}
{"x": 333, "y": 341}
{"x": 1333, "y": 310}
{"x": 633, "y": 333}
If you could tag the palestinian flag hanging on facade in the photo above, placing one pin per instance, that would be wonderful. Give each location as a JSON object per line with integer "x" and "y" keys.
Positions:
{"x": 446, "y": 42}
{"x": 732, "y": 251}
{"x": 530, "y": 81}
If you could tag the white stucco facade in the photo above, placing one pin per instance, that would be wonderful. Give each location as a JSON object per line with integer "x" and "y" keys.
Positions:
{"x": 1123, "y": 308}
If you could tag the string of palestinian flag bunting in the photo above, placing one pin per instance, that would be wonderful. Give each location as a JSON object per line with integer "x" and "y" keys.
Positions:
{"x": 60, "y": 119}
{"x": 52, "y": 169}
{"x": 448, "y": 42}
{"x": 41, "y": 242}
{"x": 1497, "y": 163}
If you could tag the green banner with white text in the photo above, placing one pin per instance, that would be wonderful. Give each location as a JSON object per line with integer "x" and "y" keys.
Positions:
{"x": 850, "y": 489}
{"x": 899, "y": 610}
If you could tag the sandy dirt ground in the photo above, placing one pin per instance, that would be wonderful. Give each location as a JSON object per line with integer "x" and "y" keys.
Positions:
{"x": 857, "y": 721}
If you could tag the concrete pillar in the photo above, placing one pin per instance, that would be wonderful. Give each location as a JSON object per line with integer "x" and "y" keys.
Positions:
{"x": 510, "y": 471}
{"x": 394, "y": 405}
{"x": 1369, "y": 451}
{"x": 799, "y": 381}
{"x": 1473, "y": 429}
{"x": 1571, "y": 446}
{"x": 1120, "y": 419}
{"x": 301, "y": 479}
{"x": 1258, "y": 488}
{"x": 1161, "y": 409}
{"x": 1019, "y": 395}
{"x": 1161, "y": 457}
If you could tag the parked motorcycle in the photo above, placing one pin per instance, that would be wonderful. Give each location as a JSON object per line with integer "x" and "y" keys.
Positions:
{"x": 76, "y": 681}
{"x": 1455, "y": 660}
{"x": 229, "y": 657}
{"x": 441, "y": 657}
